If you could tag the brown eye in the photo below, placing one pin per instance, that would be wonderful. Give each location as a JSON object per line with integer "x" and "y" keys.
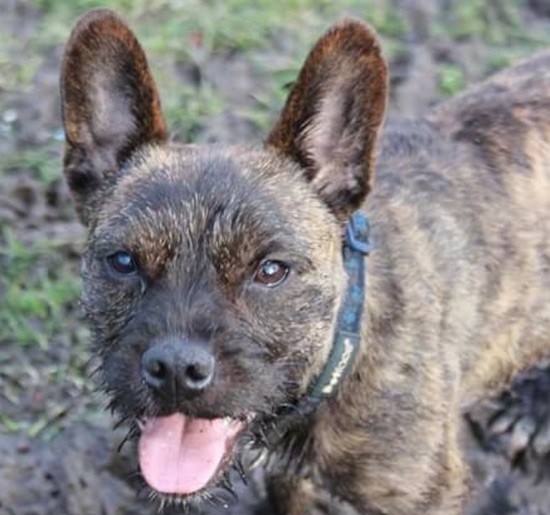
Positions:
{"x": 271, "y": 273}
{"x": 122, "y": 263}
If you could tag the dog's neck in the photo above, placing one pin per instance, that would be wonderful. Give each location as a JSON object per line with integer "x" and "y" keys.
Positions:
{"x": 347, "y": 335}
{"x": 343, "y": 354}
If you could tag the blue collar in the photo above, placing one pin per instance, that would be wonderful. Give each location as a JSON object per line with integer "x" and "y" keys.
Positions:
{"x": 347, "y": 337}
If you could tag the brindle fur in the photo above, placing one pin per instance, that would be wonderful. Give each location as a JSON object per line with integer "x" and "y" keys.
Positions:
{"x": 458, "y": 293}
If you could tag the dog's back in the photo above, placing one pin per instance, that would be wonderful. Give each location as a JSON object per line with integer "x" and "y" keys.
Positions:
{"x": 461, "y": 207}
{"x": 458, "y": 284}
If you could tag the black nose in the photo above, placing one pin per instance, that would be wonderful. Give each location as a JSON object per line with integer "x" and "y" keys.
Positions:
{"x": 173, "y": 368}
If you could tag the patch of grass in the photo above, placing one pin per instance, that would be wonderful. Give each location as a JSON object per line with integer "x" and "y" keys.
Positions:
{"x": 497, "y": 23}
{"x": 451, "y": 79}
{"x": 43, "y": 164}
{"x": 175, "y": 32}
{"x": 43, "y": 355}
{"x": 387, "y": 20}
{"x": 16, "y": 74}
{"x": 38, "y": 289}
{"x": 194, "y": 29}
{"x": 468, "y": 19}
{"x": 191, "y": 31}
{"x": 188, "y": 106}
{"x": 502, "y": 57}
{"x": 269, "y": 101}
{"x": 10, "y": 425}
{"x": 175, "y": 26}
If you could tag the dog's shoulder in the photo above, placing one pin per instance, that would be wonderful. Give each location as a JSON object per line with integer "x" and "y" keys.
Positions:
{"x": 503, "y": 113}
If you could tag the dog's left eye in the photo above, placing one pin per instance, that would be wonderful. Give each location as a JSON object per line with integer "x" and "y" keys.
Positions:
{"x": 271, "y": 273}
{"x": 122, "y": 263}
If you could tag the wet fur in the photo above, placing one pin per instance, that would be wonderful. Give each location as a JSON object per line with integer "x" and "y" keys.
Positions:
{"x": 458, "y": 284}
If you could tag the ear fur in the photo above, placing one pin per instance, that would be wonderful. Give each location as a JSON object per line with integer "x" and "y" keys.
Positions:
{"x": 110, "y": 104}
{"x": 330, "y": 122}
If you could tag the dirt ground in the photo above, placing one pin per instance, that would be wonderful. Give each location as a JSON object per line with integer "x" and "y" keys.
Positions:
{"x": 58, "y": 450}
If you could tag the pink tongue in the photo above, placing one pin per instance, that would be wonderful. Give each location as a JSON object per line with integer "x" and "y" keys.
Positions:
{"x": 180, "y": 455}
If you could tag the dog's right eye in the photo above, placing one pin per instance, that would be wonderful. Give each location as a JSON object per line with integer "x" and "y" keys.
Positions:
{"x": 122, "y": 263}
{"x": 271, "y": 273}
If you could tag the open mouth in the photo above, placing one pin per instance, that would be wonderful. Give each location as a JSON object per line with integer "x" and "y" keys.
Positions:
{"x": 180, "y": 455}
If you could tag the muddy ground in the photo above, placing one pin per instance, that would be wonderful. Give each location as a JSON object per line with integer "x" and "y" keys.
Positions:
{"x": 58, "y": 450}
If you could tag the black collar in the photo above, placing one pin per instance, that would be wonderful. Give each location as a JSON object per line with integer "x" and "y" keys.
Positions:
{"x": 347, "y": 336}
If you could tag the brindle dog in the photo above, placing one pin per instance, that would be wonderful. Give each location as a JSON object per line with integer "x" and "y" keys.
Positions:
{"x": 214, "y": 275}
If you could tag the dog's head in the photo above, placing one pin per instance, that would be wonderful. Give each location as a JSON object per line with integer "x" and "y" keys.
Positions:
{"x": 213, "y": 275}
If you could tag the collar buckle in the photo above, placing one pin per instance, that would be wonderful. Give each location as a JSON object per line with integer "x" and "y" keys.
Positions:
{"x": 358, "y": 234}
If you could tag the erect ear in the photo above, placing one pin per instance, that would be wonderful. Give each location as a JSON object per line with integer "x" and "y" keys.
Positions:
{"x": 110, "y": 105}
{"x": 331, "y": 119}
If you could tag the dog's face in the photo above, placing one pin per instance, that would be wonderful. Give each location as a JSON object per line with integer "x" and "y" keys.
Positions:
{"x": 212, "y": 275}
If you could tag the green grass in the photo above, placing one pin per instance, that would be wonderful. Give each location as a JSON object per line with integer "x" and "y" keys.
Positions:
{"x": 40, "y": 289}
{"x": 43, "y": 347}
{"x": 187, "y": 107}
{"x": 180, "y": 34}
{"x": 451, "y": 79}
{"x": 185, "y": 33}
{"x": 41, "y": 163}
{"x": 496, "y": 22}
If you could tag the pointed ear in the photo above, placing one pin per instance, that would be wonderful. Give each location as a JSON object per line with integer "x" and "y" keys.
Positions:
{"x": 332, "y": 116}
{"x": 110, "y": 105}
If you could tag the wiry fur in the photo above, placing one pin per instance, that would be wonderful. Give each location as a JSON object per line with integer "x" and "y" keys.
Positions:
{"x": 458, "y": 283}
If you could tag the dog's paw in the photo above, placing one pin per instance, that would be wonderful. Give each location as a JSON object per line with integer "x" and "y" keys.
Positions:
{"x": 517, "y": 424}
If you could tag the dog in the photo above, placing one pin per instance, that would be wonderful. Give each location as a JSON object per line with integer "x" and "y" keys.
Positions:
{"x": 274, "y": 302}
